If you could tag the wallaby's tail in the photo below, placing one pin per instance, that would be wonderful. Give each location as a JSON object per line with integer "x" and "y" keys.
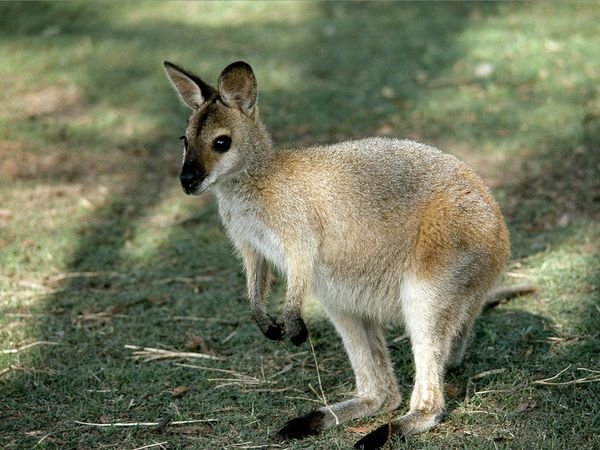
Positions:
{"x": 503, "y": 294}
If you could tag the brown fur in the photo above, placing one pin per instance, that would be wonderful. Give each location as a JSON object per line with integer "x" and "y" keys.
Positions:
{"x": 379, "y": 230}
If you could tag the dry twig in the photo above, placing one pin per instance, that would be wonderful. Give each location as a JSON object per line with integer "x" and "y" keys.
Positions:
{"x": 69, "y": 275}
{"x": 247, "y": 445}
{"x": 488, "y": 373}
{"x": 519, "y": 275}
{"x": 593, "y": 378}
{"x": 141, "y": 424}
{"x": 238, "y": 375}
{"x": 184, "y": 280}
{"x": 157, "y": 444}
{"x": 152, "y": 354}
{"x": 25, "y": 347}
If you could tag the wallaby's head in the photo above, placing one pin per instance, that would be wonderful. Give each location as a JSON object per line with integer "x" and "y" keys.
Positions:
{"x": 223, "y": 131}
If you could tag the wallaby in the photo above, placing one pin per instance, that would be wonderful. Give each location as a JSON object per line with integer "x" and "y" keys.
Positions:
{"x": 379, "y": 230}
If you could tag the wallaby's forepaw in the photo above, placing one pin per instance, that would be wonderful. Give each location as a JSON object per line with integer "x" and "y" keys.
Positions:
{"x": 296, "y": 330}
{"x": 376, "y": 439}
{"x": 301, "y": 427}
{"x": 272, "y": 330}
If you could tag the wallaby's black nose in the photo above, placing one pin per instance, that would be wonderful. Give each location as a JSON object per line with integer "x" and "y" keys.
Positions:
{"x": 191, "y": 176}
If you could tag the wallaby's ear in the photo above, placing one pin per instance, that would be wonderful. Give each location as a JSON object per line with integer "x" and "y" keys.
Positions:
{"x": 237, "y": 87}
{"x": 191, "y": 89}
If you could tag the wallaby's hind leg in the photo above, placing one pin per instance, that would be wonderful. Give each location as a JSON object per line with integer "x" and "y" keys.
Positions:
{"x": 381, "y": 357}
{"x": 432, "y": 333}
{"x": 459, "y": 347}
{"x": 375, "y": 383}
{"x": 463, "y": 339}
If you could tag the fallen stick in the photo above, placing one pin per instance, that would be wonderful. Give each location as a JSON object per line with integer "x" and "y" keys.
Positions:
{"x": 588, "y": 379}
{"x": 141, "y": 424}
{"x": 25, "y": 347}
{"x": 247, "y": 445}
{"x": 151, "y": 354}
{"x": 157, "y": 444}
{"x": 69, "y": 275}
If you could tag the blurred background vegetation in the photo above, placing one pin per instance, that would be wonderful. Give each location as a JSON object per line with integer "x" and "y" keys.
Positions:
{"x": 99, "y": 248}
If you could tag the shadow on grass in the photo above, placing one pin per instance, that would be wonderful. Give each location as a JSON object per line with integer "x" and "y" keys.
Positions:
{"x": 555, "y": 202}
{"x": 192, "y": 285}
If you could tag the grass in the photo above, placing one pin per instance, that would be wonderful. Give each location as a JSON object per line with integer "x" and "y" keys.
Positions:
{"x": 100, "y": 250}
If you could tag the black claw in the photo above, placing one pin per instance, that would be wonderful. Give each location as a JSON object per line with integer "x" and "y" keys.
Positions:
{"x": 274, "y": 332}
{"x": 375, "y": 439}
{"x": 298, "y": 334}
{"x": 301, "y": 427}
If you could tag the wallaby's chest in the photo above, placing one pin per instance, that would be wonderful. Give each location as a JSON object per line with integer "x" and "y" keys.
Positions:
{"x": 245, "y": 227}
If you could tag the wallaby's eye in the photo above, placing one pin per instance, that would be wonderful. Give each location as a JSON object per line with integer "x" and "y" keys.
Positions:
{"x": 222, "y": 143}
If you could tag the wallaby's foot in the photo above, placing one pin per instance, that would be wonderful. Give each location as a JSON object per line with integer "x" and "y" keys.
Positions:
{"x": 411, "y": 423}
{"x": 296, "y": 330}
{"x": 392, "y": 401}
{"x": 329, "y": 416}
{"x": 300, "y": 427}
{"x": 376, "y": 439}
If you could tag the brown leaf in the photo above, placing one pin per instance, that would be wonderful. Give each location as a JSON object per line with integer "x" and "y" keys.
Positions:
{"x": 358, "y": 430}
{"x": 526, "y": 405}
{"x": 104, "y": 419}
{"x": 197, "y": 343}
{"x": 451, "y": 390}
{"x": 180, "y": 391}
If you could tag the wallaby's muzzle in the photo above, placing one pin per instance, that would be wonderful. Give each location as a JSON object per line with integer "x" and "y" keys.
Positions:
{"x": 191, "y": 178}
